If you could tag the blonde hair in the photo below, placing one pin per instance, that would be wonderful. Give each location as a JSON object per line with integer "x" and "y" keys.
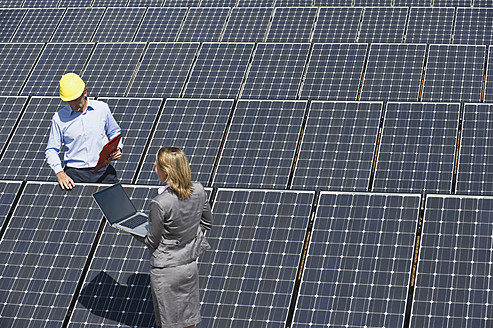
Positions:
{"x": 174, "y": 162}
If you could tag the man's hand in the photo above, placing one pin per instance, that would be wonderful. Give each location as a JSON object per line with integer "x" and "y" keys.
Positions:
{"x": 65, "y": 181}
{"x": 116, "y": 155}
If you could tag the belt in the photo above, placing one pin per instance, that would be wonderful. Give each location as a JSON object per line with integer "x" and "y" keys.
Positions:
{"x": 81, "y": 168}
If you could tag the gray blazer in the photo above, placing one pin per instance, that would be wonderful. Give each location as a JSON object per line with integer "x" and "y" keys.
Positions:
{"x": 176, "y": 227}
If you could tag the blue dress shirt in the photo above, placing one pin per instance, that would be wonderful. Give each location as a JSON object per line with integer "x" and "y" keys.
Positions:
{"x": 83, "y": 134}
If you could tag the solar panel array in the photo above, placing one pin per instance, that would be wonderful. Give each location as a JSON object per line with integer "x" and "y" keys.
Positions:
{"x": 345, "y": 147}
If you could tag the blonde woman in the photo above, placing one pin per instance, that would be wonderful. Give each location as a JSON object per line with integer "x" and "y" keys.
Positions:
{"x": 179, "y": 216}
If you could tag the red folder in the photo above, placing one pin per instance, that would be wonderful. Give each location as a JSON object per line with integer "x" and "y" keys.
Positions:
{"x": 109, "y": 148}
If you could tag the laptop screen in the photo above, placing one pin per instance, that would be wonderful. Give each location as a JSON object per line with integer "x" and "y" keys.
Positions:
{"x": 115, "y": 203}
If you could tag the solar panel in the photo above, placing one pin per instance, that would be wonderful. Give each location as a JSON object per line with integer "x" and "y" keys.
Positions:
{"x": 111, "y": 67}
{"x": 481, "y": 3}
{"x": 136, "y": 117}
{"x": 488, "y": 86}
{"x": 338, "y": 146}
{"x": 24, "y": 157}
{"x": 75, "y": 3}
{"x": 452, "y": 286}
{"x": 394, "y": 72}
{"x": 39, "y": 3}
{"x": 38, "y": 25}
{"x": 276, "y": 71}
{"x": 145, "y": 3}
{"x": 260, "y": 145}
{"x": 247, "y": 24}
{"x": 56, "y": 60}
{"x": 359, "y": 260}
{"x": 417, "y": 148}
{"x": 203, "y": 25}
{"x": 293, "y": 3}
{"x": 292, "y": 24}
{"x": 430, "y": 25}
{"x": 109, "y": 3}
{"x": 10, "y": 110}
{"x": 9, "y": 20}
{"x": 218, "y": 70}
{"x": 383, "y": 24}
{"x": 337, "y": 24}
{"x": 181, "y": 3}
{"x": 218, "y": 3}
{"x": 160, "y": 24}
{"x": 87, "y": 21}
{"x": 8, "y": 193}
{"x": 332, "y": 3}
{"x": 373, "y": 3}
{"x": 195, "y": 125}
{"x": 255, "y": 3}
{"x": 474, "y": 168}
{"x": 454, "y": 73}
{"x": 473, "y": 26}
{"x": 116, "y": 290}
{"x": 412, "y": 3}
{"x": 452, "y": 3}
{"x": 43, "y": 252}
{"x": 252, "y": 285}
{"x": 164, "y": 69}
{"x": 334, "y": 71}
{"x": 9, "y": 4}
{"x": 16, "y": 61}
{"x": 119, "y": 24}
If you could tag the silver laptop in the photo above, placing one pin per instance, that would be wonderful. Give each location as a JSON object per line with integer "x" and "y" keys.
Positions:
{"x": 120, "y": 211}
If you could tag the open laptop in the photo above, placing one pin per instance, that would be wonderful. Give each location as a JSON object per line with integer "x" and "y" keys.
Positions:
{"x": 120, "y": 211}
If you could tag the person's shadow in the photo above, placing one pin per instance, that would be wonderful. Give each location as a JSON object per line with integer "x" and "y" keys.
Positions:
{"x": 129, "y": 304}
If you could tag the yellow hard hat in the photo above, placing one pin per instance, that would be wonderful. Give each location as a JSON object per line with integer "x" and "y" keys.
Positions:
{"x": 71, "y": 87}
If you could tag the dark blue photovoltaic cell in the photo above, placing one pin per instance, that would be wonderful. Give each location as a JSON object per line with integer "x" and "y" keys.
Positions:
{"x": 393, "y": 72}
{"x": 203, "y": 25}
{"x": 9, "y": 20}
{"x": 56, "y": 60}
{"x": 218, "y": 3}
{"x": 417, "y": 148}
{"x": 334, "y": 71}
{"x": 116, "y": 289}
{"x": 474, "y": 26}
{"x": 338, "y": 146}
{"x": 256, "y": 3}
{"x": 111, "y": 68}
{"x": 43, "y": 253}
{"x": 252, "y": 286}
{"x": 293, "y": 3}
{"x": 39, "y": 3}
{"x": 8, "y": 192}
{"x": 412, "y": 3}
{"x": 454, "y": 73}
{"x": 384, "y": 24}
{"x": 38, "y": 25}
{"x": 16, "y": 62}
{"x": 260, "y": 145}
{"x": 276, "y": 71}
{"x": 219, "y": 70}
{"x": 292, "y": 24}
{"x": 35, "y": 121}
{"x": 10, "y": 110}
{"x": 160, "y": 24}
{"x": 109, "y": 3}
{"x": 87, "y": 21}
{"x": 332, "y": 3}
{"x": 181, "y": 3}
{"x": 119, "y": 24}
{"x": 197, "y": 126}
{"x": 247, "y": 25}
{"x": 164, "y": 70}
{"x": 430, "y": 25}
{"x": 475, "y": 168}
{"x": 452, "y": 3}
{"x": 373, "y": 3}
{"x": 135, "y": 116}
{"x": 453, "y": 280}
{"x": 145, "y": 3}
{"x": 337, "y": 24}
{"x": 482, "y": 3}
{"x": 359, "y": 261}
{"x": 75, "y": 3}
{"x": 488, "y": 86}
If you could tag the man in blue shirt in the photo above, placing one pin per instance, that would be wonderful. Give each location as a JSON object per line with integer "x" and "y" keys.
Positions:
{"x": 83, "y": 126}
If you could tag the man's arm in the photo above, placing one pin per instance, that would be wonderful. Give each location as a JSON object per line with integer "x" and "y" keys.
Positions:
{"x": 53, "y": 158}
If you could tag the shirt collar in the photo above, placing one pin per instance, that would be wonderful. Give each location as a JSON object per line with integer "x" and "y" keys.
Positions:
{"x": 162, "y": 189}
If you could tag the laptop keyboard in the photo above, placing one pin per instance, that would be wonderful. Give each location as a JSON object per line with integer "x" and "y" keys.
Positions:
{"x": 135, "y": 221}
